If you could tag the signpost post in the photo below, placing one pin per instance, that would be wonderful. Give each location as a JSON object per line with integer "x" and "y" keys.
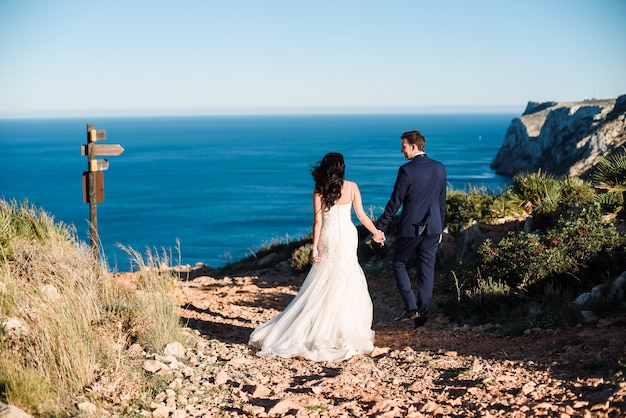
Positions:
{"x": 93, "y": 179}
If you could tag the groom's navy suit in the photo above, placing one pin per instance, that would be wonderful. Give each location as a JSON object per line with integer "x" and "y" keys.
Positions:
{"x": 420, "y": 189}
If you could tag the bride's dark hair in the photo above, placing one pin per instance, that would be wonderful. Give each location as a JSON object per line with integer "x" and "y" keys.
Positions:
{"x": 328, "y": 175}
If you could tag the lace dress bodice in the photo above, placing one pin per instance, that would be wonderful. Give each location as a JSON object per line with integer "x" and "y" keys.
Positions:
{"x": 339, "y": 236}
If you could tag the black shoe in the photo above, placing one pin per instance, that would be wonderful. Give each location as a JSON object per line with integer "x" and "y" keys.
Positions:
{"x": 420, "y": 321}
{"x": 407, "y": 315}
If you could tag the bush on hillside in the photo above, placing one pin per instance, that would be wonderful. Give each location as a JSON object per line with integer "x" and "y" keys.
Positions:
{"x": 577, "y": 253}
{"x": 537, "y": 194}
{"x": 66, "y": 322}
{"x": 464, "y": 208}
{"x": 570, "y": 249}
{"x": 301, "y": 259}
{"x": 575, "y": 193}
{"x": 575, "y": 247}
{"x": 610, "y": 179}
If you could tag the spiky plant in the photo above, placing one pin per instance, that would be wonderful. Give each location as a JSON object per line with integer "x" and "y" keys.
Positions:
{"x": 610, "y": 180}
{"x": 538, "y": 192}
{"x": 576, "y": 192}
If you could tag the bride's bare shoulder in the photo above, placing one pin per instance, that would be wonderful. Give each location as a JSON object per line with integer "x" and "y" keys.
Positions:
{"x": 351, "y": 186}
{"x": 348, "y": 187}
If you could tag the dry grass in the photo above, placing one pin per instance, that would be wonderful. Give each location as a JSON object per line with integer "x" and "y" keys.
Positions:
{"x": 76, "y": 321}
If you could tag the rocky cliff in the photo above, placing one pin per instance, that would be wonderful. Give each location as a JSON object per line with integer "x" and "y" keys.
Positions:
{"x": 563, "y": 138}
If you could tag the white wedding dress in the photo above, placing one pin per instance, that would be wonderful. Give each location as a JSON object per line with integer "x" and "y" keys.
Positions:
{"x": 330, "y": 318}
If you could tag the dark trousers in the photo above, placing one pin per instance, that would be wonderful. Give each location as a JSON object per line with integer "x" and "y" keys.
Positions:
{"x": 425, "y": 249}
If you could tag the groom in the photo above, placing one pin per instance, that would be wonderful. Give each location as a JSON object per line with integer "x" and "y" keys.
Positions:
{"x": 420, "y": 189}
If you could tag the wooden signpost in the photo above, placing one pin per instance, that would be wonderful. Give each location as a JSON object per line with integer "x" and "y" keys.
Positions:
{"x": 93, "y": 179}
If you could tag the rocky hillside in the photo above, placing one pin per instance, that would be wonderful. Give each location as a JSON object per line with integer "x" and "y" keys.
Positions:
{"x": 440, "y": 370}
{"x": 563, "y": 138}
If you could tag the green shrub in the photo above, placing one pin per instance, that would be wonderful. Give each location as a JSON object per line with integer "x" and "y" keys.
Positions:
{"x": 576, "y": 247}
{"x": 549, "y": 267}
{"x": 301, "y": 259}
{"x": 539, "y": 194}
{"x": 503, "y": 206}
{"x": 611, "y": 170}
{"x": 515, "y": 260}
{"x": 490, "y": 299}
{"x": 462, "y": 208}
{"x": 610, "y": 179}
{"x": 587, "y": 244}
{"x": 575, "y": 193}
{"x": 536, "y": 192}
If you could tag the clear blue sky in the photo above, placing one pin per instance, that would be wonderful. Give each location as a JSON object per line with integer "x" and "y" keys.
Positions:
{"x": 112, "y": 57}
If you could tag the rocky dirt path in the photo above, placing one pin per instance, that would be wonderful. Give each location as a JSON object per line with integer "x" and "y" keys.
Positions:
{"x": 440, "y": 370}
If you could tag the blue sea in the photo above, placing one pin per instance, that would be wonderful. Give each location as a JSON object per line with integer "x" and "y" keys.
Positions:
{"x": 222, "y": 187}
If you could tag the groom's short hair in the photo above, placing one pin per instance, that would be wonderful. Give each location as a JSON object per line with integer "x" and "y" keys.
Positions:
{"x": 415, "y": 138}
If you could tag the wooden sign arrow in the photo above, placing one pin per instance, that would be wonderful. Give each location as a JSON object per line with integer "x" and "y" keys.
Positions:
{"x": 99, "y": 165}
{"x": 106, "y": 149}
{"x": 97, "y": 135}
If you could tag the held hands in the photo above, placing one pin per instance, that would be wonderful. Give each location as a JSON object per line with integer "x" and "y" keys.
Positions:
{"x": 379, "y": 237}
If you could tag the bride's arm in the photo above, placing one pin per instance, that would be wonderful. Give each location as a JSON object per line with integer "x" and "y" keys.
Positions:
{"x": 357, "y": 204}
{"x": 317, "y": 225}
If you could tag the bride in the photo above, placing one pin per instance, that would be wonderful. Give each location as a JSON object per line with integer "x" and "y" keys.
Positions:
{"x": 330, "y": 318}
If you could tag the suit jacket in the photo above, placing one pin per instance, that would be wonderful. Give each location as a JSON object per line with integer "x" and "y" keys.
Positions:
{"x": 420, "y": 189}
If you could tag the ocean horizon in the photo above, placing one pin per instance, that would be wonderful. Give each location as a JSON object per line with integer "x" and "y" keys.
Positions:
{"x": 218, "y": 188}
